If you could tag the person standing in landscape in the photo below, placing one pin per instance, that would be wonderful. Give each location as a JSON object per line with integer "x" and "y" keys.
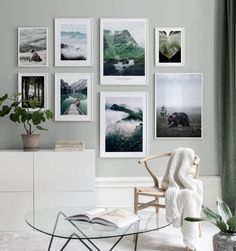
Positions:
{"x": 35, "y": 56}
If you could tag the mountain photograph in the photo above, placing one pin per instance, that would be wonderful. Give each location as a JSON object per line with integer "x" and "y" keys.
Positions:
{"x": 124, "y": 48}
{"x": 73, "y": 96}
{"x": 73, "y": 42}
{"x": 124, "y": 124}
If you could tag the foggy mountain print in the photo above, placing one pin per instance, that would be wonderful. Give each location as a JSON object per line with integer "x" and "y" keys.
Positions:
{"x": 73, "y": 42}
{"x": 124, "y": 126}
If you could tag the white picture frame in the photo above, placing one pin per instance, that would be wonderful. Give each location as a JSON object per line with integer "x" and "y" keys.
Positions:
{"x": 28, "y": 90}
{"x": 179, "y": 93}
{"x": 74, "y": 104}
{"x": 163, "y": 38}
{"x": 73, "y": 41}
{"x": 32, "y": 47}
{"x": 123, "y": 116}
{"x": 115, "y": 71}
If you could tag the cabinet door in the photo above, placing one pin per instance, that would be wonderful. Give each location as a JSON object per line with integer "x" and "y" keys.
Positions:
{"x": 16, "y": 171}
{"x": 64, "y": 171}
{"x": 13, "y": 208}
{"x": 64, "y": 199}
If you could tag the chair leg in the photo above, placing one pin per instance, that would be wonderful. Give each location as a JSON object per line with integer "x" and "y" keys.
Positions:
{"x": 135, "y": 200}
{"x": 157, "y": 205}
{"x": 199, "y": 229}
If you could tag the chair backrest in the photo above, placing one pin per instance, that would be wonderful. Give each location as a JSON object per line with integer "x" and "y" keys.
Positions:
{"x": 144, "y": 161}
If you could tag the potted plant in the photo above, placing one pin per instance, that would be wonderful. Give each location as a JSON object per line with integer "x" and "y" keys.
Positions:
{"x": 225, "y": 240}
{"x": 31, "y": 117}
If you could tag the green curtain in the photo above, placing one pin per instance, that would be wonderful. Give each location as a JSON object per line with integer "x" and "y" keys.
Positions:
{"x": 226, "y": 93}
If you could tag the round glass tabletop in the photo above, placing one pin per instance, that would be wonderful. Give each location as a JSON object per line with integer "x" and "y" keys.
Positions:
{"x": 53, "y": 222}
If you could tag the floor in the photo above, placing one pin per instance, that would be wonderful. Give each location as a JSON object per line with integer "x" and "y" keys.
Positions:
{"x": 168, "y": 239}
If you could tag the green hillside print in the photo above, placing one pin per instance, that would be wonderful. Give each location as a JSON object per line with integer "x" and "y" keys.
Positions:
{"x": 122, "y": 54}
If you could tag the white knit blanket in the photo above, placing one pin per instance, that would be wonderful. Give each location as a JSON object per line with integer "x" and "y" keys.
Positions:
{"x": 184, "y": 194}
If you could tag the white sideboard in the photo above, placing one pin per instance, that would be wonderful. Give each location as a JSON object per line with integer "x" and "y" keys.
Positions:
{"x": 33, "y": 180}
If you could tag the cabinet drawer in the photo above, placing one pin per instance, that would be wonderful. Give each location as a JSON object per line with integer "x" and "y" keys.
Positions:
{"x": 64, "y": 171}
{"x": 13, "y": 208}
{"x": 64, "y": 199}
{"x": 16, "y": 171}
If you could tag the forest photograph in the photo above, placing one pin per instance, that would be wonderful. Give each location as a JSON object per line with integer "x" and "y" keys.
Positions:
{"x": 32, "y": 87}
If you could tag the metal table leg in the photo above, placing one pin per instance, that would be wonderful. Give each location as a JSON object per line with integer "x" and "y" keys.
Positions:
{"x": 83, "y": 241}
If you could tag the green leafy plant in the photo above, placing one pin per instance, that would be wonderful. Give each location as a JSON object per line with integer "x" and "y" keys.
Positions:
{"x": 223, "y": 219}
{"x": 170, "y": 44}
{"x": 31, "y": 116}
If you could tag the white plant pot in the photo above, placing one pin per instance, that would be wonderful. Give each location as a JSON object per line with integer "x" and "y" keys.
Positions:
{"x": 30, "y": 142}
{"x": 224, "y": 242}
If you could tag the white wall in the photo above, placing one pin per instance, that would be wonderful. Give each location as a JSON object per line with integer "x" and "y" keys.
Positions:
{"x": 196, "y": 16}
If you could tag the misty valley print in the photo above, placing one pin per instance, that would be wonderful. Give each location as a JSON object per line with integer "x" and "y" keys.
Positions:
{"x": 73, "y": 42}
{"x": 178, "y": 105}
{"x": 73, "y": 97}
{"x": 32, "y": 49}
{"x": 124, "y": 124}
{"x": 124, "y": 48}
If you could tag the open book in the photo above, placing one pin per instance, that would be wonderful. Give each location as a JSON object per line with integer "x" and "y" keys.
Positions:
{"x": 109, "y": 217}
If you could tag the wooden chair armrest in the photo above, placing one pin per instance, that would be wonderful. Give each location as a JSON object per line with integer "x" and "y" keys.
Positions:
{"x": 153, "y": 157}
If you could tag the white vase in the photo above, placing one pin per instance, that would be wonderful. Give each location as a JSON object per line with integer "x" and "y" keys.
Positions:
{"x": 224, "y": 242}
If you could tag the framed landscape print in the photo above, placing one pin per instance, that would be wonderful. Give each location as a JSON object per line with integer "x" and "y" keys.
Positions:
{"x": 123, "y": 51}
{"x": 32, "y": 46}
{"x": 73, "y": 96}
{"x": 33, "y": 86}
{"x": 169, "y": 46}
{"x": 123, "y": 124}
{"x": 73, "y": 41}
{"x": 178, "y": 105}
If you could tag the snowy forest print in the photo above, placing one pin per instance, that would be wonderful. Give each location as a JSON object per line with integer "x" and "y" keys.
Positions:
{"x": 32, "y": 46}
{"x": 124, "y": 125}
{"x": 178, "y": 105}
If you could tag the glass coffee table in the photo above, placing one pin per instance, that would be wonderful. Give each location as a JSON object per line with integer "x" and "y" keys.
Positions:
{"x": 52, "y": 222}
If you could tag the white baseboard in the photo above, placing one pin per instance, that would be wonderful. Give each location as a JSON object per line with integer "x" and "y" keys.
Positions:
{"x": 118, "y": 191}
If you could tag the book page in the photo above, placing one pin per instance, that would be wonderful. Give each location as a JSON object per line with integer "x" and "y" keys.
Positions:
{"x": 88, "y": 215}
{"x": 117, "y": 217}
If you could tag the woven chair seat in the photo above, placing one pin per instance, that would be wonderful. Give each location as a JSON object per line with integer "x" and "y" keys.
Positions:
{"x": 152, "y": 191}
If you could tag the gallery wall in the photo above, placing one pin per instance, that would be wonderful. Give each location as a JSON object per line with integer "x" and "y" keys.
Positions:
{"x": 196, "y": 16}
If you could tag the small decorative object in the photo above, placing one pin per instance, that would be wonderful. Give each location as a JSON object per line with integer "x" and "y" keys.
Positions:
{"x": 123, "y": 46}
{"x": 225, "y": 240}
{"x": 32, "y": 46}
{"x": 178, "y": 105}
{"x": 73, "y": 96}
{"x": 73, "y": 41}
{"x": 69, "y": 146}
{"x": 123, "y": 124}
{"x": 33, "y": 86}
{"x": 169, "y": 47}
{"x": 31, "y": 117}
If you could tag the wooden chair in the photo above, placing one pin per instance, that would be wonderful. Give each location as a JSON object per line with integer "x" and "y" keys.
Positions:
{"x": 156, "y": 192}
